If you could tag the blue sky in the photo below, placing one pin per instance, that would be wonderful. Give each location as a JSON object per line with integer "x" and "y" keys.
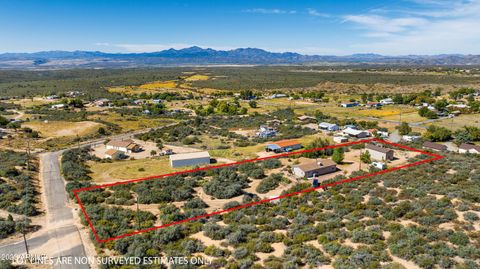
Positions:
{"x": 310, "y": 27}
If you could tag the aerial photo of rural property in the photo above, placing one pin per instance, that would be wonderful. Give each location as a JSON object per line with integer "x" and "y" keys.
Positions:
{"x": 240, "y": 134}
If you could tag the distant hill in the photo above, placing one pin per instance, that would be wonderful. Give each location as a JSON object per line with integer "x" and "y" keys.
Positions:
{"x": 199, "y": 56}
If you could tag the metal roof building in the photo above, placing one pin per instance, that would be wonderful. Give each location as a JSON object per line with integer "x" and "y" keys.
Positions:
{"x": 190, "y": 159}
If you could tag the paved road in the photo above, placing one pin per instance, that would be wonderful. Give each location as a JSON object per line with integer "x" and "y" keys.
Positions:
{"x": 59, "y": 237}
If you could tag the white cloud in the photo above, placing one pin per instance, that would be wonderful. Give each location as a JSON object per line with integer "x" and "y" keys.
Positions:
{"x": 270, "y": 11}
{"x": 382, "y": 26}
{"x": 315, "y": 13}
{"x": 434, "y": 28}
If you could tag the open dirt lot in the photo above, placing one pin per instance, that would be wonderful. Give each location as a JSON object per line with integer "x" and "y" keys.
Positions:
{"x": 50, "y": 129}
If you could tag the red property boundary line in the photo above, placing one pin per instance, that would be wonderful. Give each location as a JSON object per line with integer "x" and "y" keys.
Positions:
{"x": 100, "y": 240}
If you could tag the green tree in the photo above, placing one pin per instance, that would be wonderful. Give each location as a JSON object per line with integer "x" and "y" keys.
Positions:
{"x": 338, "y": 155}
{"x": 437, "y": 133}
{"x": 404, "y": 128}
{"x": 365, "y": 157}
{"x": 252, "y": 104}
{"x": 101, "y": 131}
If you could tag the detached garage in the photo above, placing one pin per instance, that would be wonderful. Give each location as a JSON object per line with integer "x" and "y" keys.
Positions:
{"x": 189, "y": 159}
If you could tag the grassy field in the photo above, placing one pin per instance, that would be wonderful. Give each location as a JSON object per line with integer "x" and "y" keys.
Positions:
{"x": 460, "y": 121}
{"x": 31, "y": 102}
{"x": 407, "y": 117}
{"x": 53, "y": 129}
{"x": 131, "y": 123}
{"x": 130, "y": 169}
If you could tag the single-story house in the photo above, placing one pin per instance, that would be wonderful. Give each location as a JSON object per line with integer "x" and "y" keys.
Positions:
{"x": 379, "y": 153}
{"x": 113, "y": 154}
{"x": 314, "y": 168}
{"x": 102, "y": 102}
{"x": 58, "y": 106}
{"x": 387, "y": 101}
{"x": 328, "y": 126}
{"x": 340, "y": 139}
{"x": 348, "y": 104}
{"x": 189, "y": 159}
{"x": 434, "y": 146}
{"x": 355, "y": 133}
{"x": 52, "y": 97}
{"x": 277, "y": 95}
{"x": 374, "y": 104}
{"x": 266, "y": 131}
{"x": 469, "y": 148}
{"x": 283, "y": 146}
{"x": 127, "y": 146}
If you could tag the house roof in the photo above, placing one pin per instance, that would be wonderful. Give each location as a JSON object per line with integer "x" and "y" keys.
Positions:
{"x": 286, "y": 143}
{"x": 316, "y": 164}
{"x": 377, "y": 148}
{"x": 431, "y": 145}
{"x": 187, "y": 156}
{"x": 469, "y": 146}
{"x": 326, "y": 124}
{"x": 111, "y": 152}
{"x": 351, "y": 131}
{"x": 121, "y": 143}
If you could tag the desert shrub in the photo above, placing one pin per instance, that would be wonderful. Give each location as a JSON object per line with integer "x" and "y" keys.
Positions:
{"x": 271, "y": 164}
{"x": 215, "y": 231}
{"x": 195, "y": 203}
{"x": 470, "y": 216}
{"x": 269, "y": 183}
{"x": 226, "y": 184}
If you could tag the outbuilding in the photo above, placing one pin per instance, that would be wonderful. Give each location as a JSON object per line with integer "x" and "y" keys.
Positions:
{"x": 314, "y": 168}
{"x": 434, "y": 146}
{"x": 283, "y": 146}
{"x": 379, "y": 153}
{"x": 189, "y": 159}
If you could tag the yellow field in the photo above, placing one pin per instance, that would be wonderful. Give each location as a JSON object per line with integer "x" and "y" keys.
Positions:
{"x": 131, "y": 123}
{"x": 197, "y": 77}
{"x": 53, "y": 129}
{"x": 169, "y": 84}
{"x": 387, "y": 111}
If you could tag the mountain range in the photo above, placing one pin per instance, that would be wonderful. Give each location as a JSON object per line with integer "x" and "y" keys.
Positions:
{"x": 194, "y": 56}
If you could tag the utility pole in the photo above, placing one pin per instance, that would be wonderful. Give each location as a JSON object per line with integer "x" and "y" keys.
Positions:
{"x": 400, "y": 114}
{"x": 360, "y": 161}
{"x": 26, "y": 198}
